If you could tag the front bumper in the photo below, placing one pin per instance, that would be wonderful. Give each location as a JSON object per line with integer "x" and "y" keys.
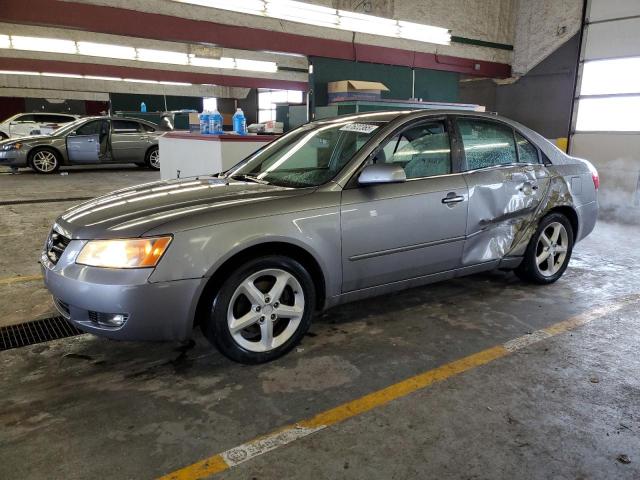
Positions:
{"x": 13, "y": 158}
{"x": 153, "y": 311}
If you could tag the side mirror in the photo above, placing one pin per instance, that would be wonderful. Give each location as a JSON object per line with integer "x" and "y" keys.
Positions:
{"x": 382, "y": 173}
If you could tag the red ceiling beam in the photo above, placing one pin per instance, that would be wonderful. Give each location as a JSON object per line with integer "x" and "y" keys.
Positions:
{"x": 55, "y": 66}
{"x": 118, "y": 21}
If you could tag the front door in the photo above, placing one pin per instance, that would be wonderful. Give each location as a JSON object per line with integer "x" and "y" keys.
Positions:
{"x": 89, "y": 143}
{"x": 394, "y": 232}
{"x": 506, "y": 184}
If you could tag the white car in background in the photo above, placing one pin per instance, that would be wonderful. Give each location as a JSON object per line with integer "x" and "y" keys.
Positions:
{"x": 38, "y": 123}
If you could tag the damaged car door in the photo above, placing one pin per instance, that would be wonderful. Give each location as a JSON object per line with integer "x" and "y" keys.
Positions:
{"x": 506, "y": 181}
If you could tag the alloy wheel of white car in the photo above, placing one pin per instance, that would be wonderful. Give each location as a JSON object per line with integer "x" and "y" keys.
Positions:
{"x": 551, "y": 249}
{"x": 44, "y": 161}
{"x": 266, "y": 310}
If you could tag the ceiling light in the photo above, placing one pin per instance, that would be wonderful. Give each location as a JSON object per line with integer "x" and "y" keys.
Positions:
{"x": 106, "y": 50}
{"x": 224, "y": 62}
{"x": 424, "y": 33}
{"x": 5, "y": 42}
{"x": 98, "y": 77}
{"x": 302, "y": 12}
{"x": 255, "y": 7}
{"x": 62, "y": 75}
{"x": 139, "y": 80}
{"x": 256, "y": 66}
{"x": 180, "y": 84}
{"x": 162, "y": 56}
{"x": 39, "y": 44}
{"x": 17, "y": 72}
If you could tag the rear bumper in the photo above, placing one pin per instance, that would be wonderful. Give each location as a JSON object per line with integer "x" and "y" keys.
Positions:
{"x": 153, "y": 311}
{"x": 587, "y": 217}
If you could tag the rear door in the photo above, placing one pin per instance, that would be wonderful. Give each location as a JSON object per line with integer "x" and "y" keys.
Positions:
{"x": 394, "y": 232}
{"x": 506, "y": 184}
{"x": 128, "y": 141}
{"x": 88, "y": 142}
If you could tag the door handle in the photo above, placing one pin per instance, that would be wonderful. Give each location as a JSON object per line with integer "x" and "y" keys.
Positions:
{"x": 452, "y": 198}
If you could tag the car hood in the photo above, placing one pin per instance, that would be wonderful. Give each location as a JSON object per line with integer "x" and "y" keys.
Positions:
{"x": 175, "y": 204}
{"x": 25, "y": 139}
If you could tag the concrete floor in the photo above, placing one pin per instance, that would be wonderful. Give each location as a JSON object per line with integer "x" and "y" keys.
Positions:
{"x": 564, "y": 408}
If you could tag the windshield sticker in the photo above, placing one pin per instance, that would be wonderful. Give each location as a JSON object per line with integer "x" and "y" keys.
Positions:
{"x": 359, "y": 127}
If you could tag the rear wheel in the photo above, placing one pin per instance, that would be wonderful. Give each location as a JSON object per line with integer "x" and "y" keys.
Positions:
{"x": 549, "y": 251}
{"x": 262, "y": 310}
{"x": 45, "y": 161}
{"x": 153, "y": 158}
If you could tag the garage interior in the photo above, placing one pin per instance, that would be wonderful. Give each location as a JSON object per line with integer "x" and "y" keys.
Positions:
{"x": 481, "y": 377}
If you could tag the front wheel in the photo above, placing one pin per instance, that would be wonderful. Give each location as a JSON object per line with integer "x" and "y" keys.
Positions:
{"x": 45, "y": 161}
{"x": 549, "y": 251}
{"x": 153, "y": 158}
{"x": 262, "y": 310}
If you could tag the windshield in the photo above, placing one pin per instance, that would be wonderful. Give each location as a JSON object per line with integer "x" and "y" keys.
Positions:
{"x": 308, "y": 156}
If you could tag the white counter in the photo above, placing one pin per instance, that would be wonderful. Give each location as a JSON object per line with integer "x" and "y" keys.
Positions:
{"x": 185, "y": 154}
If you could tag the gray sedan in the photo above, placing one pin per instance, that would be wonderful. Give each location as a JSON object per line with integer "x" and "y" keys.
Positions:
{"x": 86, "y": 141}
{"x": 334, "y": 211}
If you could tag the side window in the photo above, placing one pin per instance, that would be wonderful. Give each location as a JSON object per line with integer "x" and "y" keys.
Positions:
{"x": 125, "y": 126}
{"x": 527, "y": 152}
{"x": 486, "y": 143}
{"x": 24, "y": 119}
{"x": 90, "y": 128}
{"x": 147, "y": 128}
{"x": 421, "y": 150}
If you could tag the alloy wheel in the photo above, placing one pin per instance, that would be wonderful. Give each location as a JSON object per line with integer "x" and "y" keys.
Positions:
{"x": 551, "y": 249}
{"x": 45, "y": 161}
{"x": 266, "y": 310}
{"x": 154, "y": 158}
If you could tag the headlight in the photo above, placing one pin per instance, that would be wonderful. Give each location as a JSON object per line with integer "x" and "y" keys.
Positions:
{"x": 132, "y": 253}
{"x": 13, "y": 146}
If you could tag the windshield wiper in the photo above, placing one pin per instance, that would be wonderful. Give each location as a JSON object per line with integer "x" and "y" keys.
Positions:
{"x": 248, "y": 177}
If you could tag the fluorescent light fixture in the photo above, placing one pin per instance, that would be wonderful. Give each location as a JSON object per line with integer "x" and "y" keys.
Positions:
{"x": 39, "y": 44}
{"x": 17, "y": 72}
{"x": 98, "y": 77}
{"x": 139, "y": 80}
{"x": 5, "y": 41}
{"x": 106, "y": 50}
{"x": 256, "y": 65}
{"x": 302, "y": 12}
{"x": 224, "y": 62}
{"x": 162, "y": 56}
{"x": 179, "y": 84}
{"x": 424, "y": 33}
{"x": 604, "y": 77}
{"x": 62, "y": 75}
{"x": 255, "y": 7}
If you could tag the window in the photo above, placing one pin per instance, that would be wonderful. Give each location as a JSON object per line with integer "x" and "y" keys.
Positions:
{"x": 267, "y": 100}
{"x": 487, "y": 143}
{"x": 125, "y": 126}
{"x": 24, "y": 119}
{"x": 209, "y": 104}
{"x": 618, "y": 111}
{"x": 527, "y": 152}
{"x": 54, "y": 118}
{"x": 94, "y": 127}
{"x": 147, "y": 128}
{"x": 422, "y": 150}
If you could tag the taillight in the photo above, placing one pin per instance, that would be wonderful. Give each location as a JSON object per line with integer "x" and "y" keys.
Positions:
{"x": 596, "y": 179}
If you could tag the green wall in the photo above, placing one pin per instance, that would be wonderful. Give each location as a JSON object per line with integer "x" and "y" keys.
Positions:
{"x": 129, "y": 102}
{"x": 431, "y": 85}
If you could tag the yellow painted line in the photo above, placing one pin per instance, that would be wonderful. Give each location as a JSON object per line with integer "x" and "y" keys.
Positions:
{"x": 290, "y": 433}
{"x": 20, "y": 279}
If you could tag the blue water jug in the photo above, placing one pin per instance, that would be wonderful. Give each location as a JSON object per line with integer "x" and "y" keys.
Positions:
{"x": 239, "y": 122}
{"x": 204, "y": 123}
{"x": 215, "y": 123}
{"x": 143, "y": 107}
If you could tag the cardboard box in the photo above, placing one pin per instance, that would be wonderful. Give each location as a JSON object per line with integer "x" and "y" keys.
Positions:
{"x": 345, "y": 90}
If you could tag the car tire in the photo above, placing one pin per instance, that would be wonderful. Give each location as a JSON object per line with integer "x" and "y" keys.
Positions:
{"x": 3, "y": 136}
{"x": 44, "y": 160}
{"x": 152, "y": 159}
{"x": 262, "y": 310}
{"x": 549, "y": 251}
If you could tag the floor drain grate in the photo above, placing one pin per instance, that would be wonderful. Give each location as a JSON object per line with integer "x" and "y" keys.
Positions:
{"x": 37, "y": 331}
